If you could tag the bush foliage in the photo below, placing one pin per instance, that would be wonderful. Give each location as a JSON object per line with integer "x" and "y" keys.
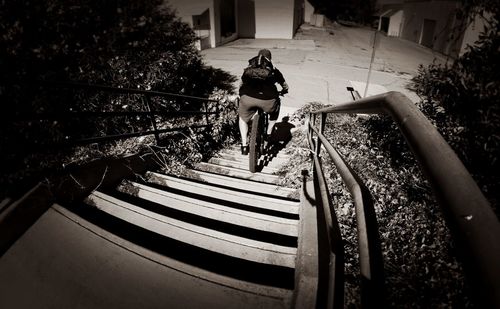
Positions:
{"x": 129, "y": 44}
{"x": 420, "y": 259}
{"x": 463, "y": 100}
{"x": 420, "y": 262}
{"x": 124, "y": 44}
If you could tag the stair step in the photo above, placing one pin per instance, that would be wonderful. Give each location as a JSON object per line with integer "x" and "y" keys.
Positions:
{"x": 240, "y": 184}
{"x": 215, "y": 241}
{"x": 117, "y": 271}
{"x": 214, "y": 211}
{"x": 272, "y": 162}
{"x": 236, "y": 172}
{"x": 236, "y": 152}
{"x": 241, "y": 165}
{"x": 207, "y": 190}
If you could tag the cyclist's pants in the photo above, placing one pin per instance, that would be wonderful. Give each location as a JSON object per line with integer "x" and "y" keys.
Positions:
{"x": 249, "y": 105}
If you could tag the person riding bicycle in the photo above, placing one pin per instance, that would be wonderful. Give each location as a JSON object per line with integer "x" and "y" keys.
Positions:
{"x": 258, "y": 90}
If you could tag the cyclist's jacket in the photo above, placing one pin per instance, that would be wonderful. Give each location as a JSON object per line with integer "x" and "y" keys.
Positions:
{"x": 262, "y": 89}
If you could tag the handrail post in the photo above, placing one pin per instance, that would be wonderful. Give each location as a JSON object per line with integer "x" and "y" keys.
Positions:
{"x": 313, "y": 124}
{"x": 205, "y": 105}
{"x": 308, "y": 124}
{"x": 322, "y": 122}
{"x": 152, "y": 119}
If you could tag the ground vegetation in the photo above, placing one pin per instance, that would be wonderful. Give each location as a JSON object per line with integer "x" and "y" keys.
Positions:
{"x": 123, "y": 44}
{"x": 421, "y": 262}
{"x": 421, "y": 266}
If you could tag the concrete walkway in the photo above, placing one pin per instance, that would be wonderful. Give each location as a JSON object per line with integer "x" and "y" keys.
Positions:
{"x": 321, "y": 62}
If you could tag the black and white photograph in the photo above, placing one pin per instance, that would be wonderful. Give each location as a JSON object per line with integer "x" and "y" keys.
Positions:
{"x": 249, "y": 154}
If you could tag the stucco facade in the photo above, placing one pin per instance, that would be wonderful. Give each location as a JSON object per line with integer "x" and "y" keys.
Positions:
{"x": 308, "y": 11}
{"x": 274, "y": 19}
{"x": 433, "y": 24}
{"x": 216, "y": 22}
{"x": 396, "y": 24}
{"x": 186, "y": 9}
{"x": 430, "y": 23}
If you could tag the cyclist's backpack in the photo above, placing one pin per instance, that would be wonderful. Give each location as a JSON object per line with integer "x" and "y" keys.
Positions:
{"x": 258, "y": 70}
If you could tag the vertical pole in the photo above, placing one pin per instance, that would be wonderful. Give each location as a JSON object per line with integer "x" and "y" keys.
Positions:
{"x": 217, "y": 110}
{"x": 371, "y": 63}
{"x": 205, "y": 104}
{"x": 322, "y": 122}
{"x": 152, "y": 118}
{"x": 308, "y": 125}
{"x": 313, "y": 124}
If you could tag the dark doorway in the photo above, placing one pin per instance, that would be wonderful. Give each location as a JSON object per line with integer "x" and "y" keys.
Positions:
{"x": 227, "y": 18}
{"x": 428, "y": 29}
{"x": 384, "y": 27}
{"x": 202, "y": 21}
{"x": 246, "y": 19}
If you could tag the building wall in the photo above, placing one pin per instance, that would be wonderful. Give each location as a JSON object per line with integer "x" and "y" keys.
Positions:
{"x": 308, "y": 11}
{"x": 274, "y": 19}
{"x": 449, "y": 37}
{"x": 298, "y": 17}
{"x": 442, "y": 12}
{"x": 219, "y": 5}
{"x": 187, "y": 8}
{"x": 271, "y": 18}
{"x": 395, "y": 24}
{"x": 246, "y": 18}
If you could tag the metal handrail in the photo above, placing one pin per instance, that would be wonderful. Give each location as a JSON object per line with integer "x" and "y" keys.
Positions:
{"x": 370, "y": 256}
{"x": 150, "y": 113}
{"x": 55, "y": 116}
{"x": 335, "y": 288}
{"x": 473, "y": 223}
{"x": 118, "y": 89}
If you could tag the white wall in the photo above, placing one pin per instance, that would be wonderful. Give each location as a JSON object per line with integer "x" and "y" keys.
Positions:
{"x": 308, "y": 11}
{"x": 274, "y": 19}
{"x": 395, "y": 24}
{"x": 187, "y": 8}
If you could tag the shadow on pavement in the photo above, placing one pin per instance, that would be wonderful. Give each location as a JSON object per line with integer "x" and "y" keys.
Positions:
{"x": 279, "y": 138}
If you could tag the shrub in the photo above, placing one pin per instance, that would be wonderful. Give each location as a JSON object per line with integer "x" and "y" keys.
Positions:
{"x": 420, "y": 262}
{"x": 463, "y": 101}
{"x": 125, "y": 44}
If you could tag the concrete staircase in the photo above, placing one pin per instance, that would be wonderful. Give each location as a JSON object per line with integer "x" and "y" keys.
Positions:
{"x": 218, "y": 237}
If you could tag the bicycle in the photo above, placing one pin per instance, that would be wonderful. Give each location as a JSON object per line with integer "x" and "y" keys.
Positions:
{"x": 258, "y": 132}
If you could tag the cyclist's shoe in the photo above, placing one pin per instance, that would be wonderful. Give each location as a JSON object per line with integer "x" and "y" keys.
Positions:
{"x": 244, "y": 150}
{"x": 266, "y": 140}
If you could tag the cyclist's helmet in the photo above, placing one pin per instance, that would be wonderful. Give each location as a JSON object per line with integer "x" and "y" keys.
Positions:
{"x": 266, "y": 53}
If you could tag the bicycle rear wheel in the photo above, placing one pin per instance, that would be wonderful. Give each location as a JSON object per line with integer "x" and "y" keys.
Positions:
{"x": 255, "y": 143}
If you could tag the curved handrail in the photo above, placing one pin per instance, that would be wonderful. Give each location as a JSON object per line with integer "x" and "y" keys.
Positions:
{"x": 370, "y": 256}
{"x": 468, "y": 213}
